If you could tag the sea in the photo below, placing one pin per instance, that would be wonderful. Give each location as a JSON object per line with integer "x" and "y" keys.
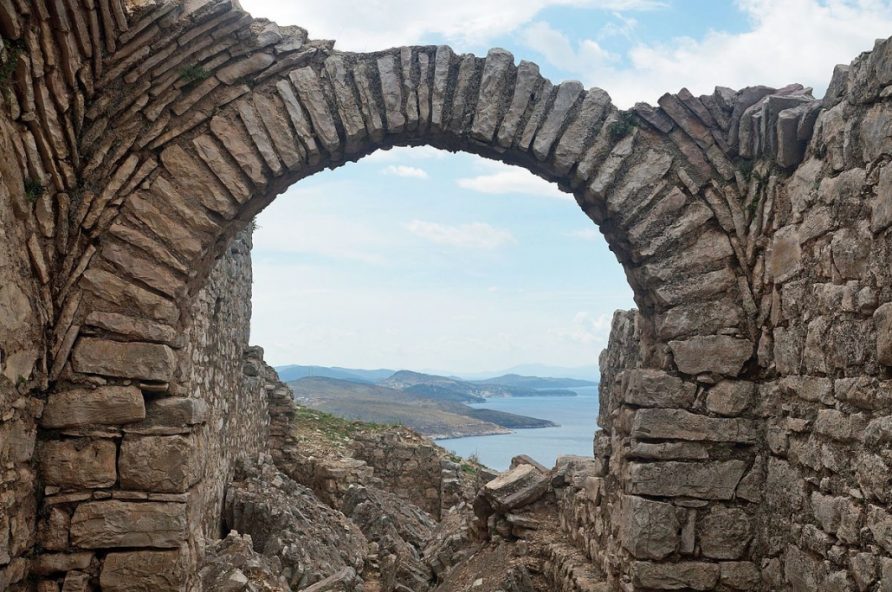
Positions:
{"x": 575, "y": 417}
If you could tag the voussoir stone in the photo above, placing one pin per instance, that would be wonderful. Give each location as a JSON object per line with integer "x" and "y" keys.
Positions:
{"x": 109, "y": 405}
{"x": 145, "y": 361}
{"x": 158, "y": 463}
{"x": 78, "y": 463}
{"x": 516, "y": 488}
{"x": 142, "y": 571}
{"x": 114, "y": 523}
{"x": 721, "y": 354}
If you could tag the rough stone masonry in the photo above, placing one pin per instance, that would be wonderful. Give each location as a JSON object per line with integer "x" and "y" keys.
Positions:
{"x": 746, "y": 407}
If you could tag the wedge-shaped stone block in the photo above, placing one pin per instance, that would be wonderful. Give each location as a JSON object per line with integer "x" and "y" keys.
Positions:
{"x": 78, "y": 463}
{"x": 142, "y": 571}
{"x": 720, "y": 354}
{"x": 145, "y": 361}
{"x": 167, "y": 464}
{"x": 712, "y": 480}
{"x": 309, "y": 89}
{"x": 109, "y": 405}
{"x": 113, "y": 523}
{"x": 496, "y": 71}
{"x": 655, "y": 388}
{"x": 516, "y": 488}
{"x": 566, "y": 96}
{"x": 677, "y": 424}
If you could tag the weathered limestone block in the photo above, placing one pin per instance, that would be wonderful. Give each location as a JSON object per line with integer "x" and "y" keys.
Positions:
{"x": 142, "y": 571}
{"x": 784, "y": 256}
{"x": 309, "y": 89}
{"x": 78, "y": 463}
{"x": 146, "y": 361}
{"x": 351, "y": 118}
{"x": 566, "y": 96}
{"x": 677, "y": 424}
{"x": 740, "y": 575}
{"x": 668, "y": 451}
{"x": 882, "y": 319}
{"x": 711, "y": 480}
{"x": 212, "y": 154}
{"x": 730, "y": 397}
{"x": 655, "y": 388}
{"x": 649, "y": 529}
{"x": 840, "y": 426}
{"x": 392, "y": 92}
{"x": 255, "y": 63}
{"x": 110, "y": 288}
{"x": 721, "y": 354}
{"x": 675, "y": 576}
{"x": 573, "y": 142}
{"x": 167, "y": 464}
{"x": 725, "y": 533}
{"x": 53, "y": 532}
{"x": 109, "y": 405}
{"x": 492, "y": 85}
{"x": 174, "y": 412}
{"x": 528, "y": 80}
{"x": 113, "y": 523}
{"x": 49, "y": 563}
{"x": 516, "y": 488}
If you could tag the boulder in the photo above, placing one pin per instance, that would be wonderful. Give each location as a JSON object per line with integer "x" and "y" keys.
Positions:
{"x": 516, "y": 488}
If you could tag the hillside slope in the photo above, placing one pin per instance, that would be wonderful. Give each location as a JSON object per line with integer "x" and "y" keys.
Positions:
{"x": 425, "y": 413}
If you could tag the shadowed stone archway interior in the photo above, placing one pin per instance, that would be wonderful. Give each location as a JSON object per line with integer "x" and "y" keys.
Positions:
{"x": 745, "y": 427}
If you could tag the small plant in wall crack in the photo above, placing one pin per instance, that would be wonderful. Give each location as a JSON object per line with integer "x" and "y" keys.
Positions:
{"x": 33, "y": 190}
{"x": 622, "y": 127}
{"x": 12, "y": 51}
{"x": 193, "y": 73}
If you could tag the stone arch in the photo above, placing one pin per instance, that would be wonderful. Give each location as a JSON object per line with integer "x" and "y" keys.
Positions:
{"x": 186, "y": 119}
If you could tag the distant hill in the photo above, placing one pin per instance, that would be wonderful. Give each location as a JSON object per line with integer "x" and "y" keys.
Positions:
{"x": 426, "y": 413}
{"x": 297, "y": 371}
{"x": 420, "y": 383}
{"x": 536, "y": 382}
{"x": 578, "y": 372}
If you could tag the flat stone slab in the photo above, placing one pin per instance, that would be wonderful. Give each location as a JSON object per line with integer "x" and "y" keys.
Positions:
{"x": 158, "y": 571}
{"x": 516, "y": 488}
{"x": 107, "y": 405}
{"x": 112, "y": 523}
{"x": 145, "y": 361}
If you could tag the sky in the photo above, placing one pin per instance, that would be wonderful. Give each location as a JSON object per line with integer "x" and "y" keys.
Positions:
{"x": 416, "y": 258}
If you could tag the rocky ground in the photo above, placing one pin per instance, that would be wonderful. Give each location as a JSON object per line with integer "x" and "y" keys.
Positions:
{"x": 287, "y": 531}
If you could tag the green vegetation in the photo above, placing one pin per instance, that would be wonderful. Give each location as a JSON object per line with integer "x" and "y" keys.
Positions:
{"x": 13, "y": 50}
{"x": 622, "y": 127}
{"x": 193, "y": 73}
{"x": 334, "y": 428}
{"x": 33, "y": 190}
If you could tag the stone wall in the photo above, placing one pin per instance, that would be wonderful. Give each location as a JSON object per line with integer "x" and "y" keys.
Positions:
{"x": 745, "y": 428}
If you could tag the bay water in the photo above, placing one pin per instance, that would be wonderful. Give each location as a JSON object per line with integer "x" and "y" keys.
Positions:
{"x": 575, "y": 417}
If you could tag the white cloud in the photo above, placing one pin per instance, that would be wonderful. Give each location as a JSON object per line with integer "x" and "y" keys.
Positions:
{"x": 789, "y": 41}
{"x": 588, "y": 234}
{"x": 503, "y": 179}
{"x": 401, "y": 170}
{"x": 404, "y": 153}
{"x": 588, "y": 329}
{"x": 374, "y": 24}
{"x": 476, "y": 235}
{"x": 557, "y": 49}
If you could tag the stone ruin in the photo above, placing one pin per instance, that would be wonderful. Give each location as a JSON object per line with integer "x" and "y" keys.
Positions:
{"x": 746, "y": 406}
